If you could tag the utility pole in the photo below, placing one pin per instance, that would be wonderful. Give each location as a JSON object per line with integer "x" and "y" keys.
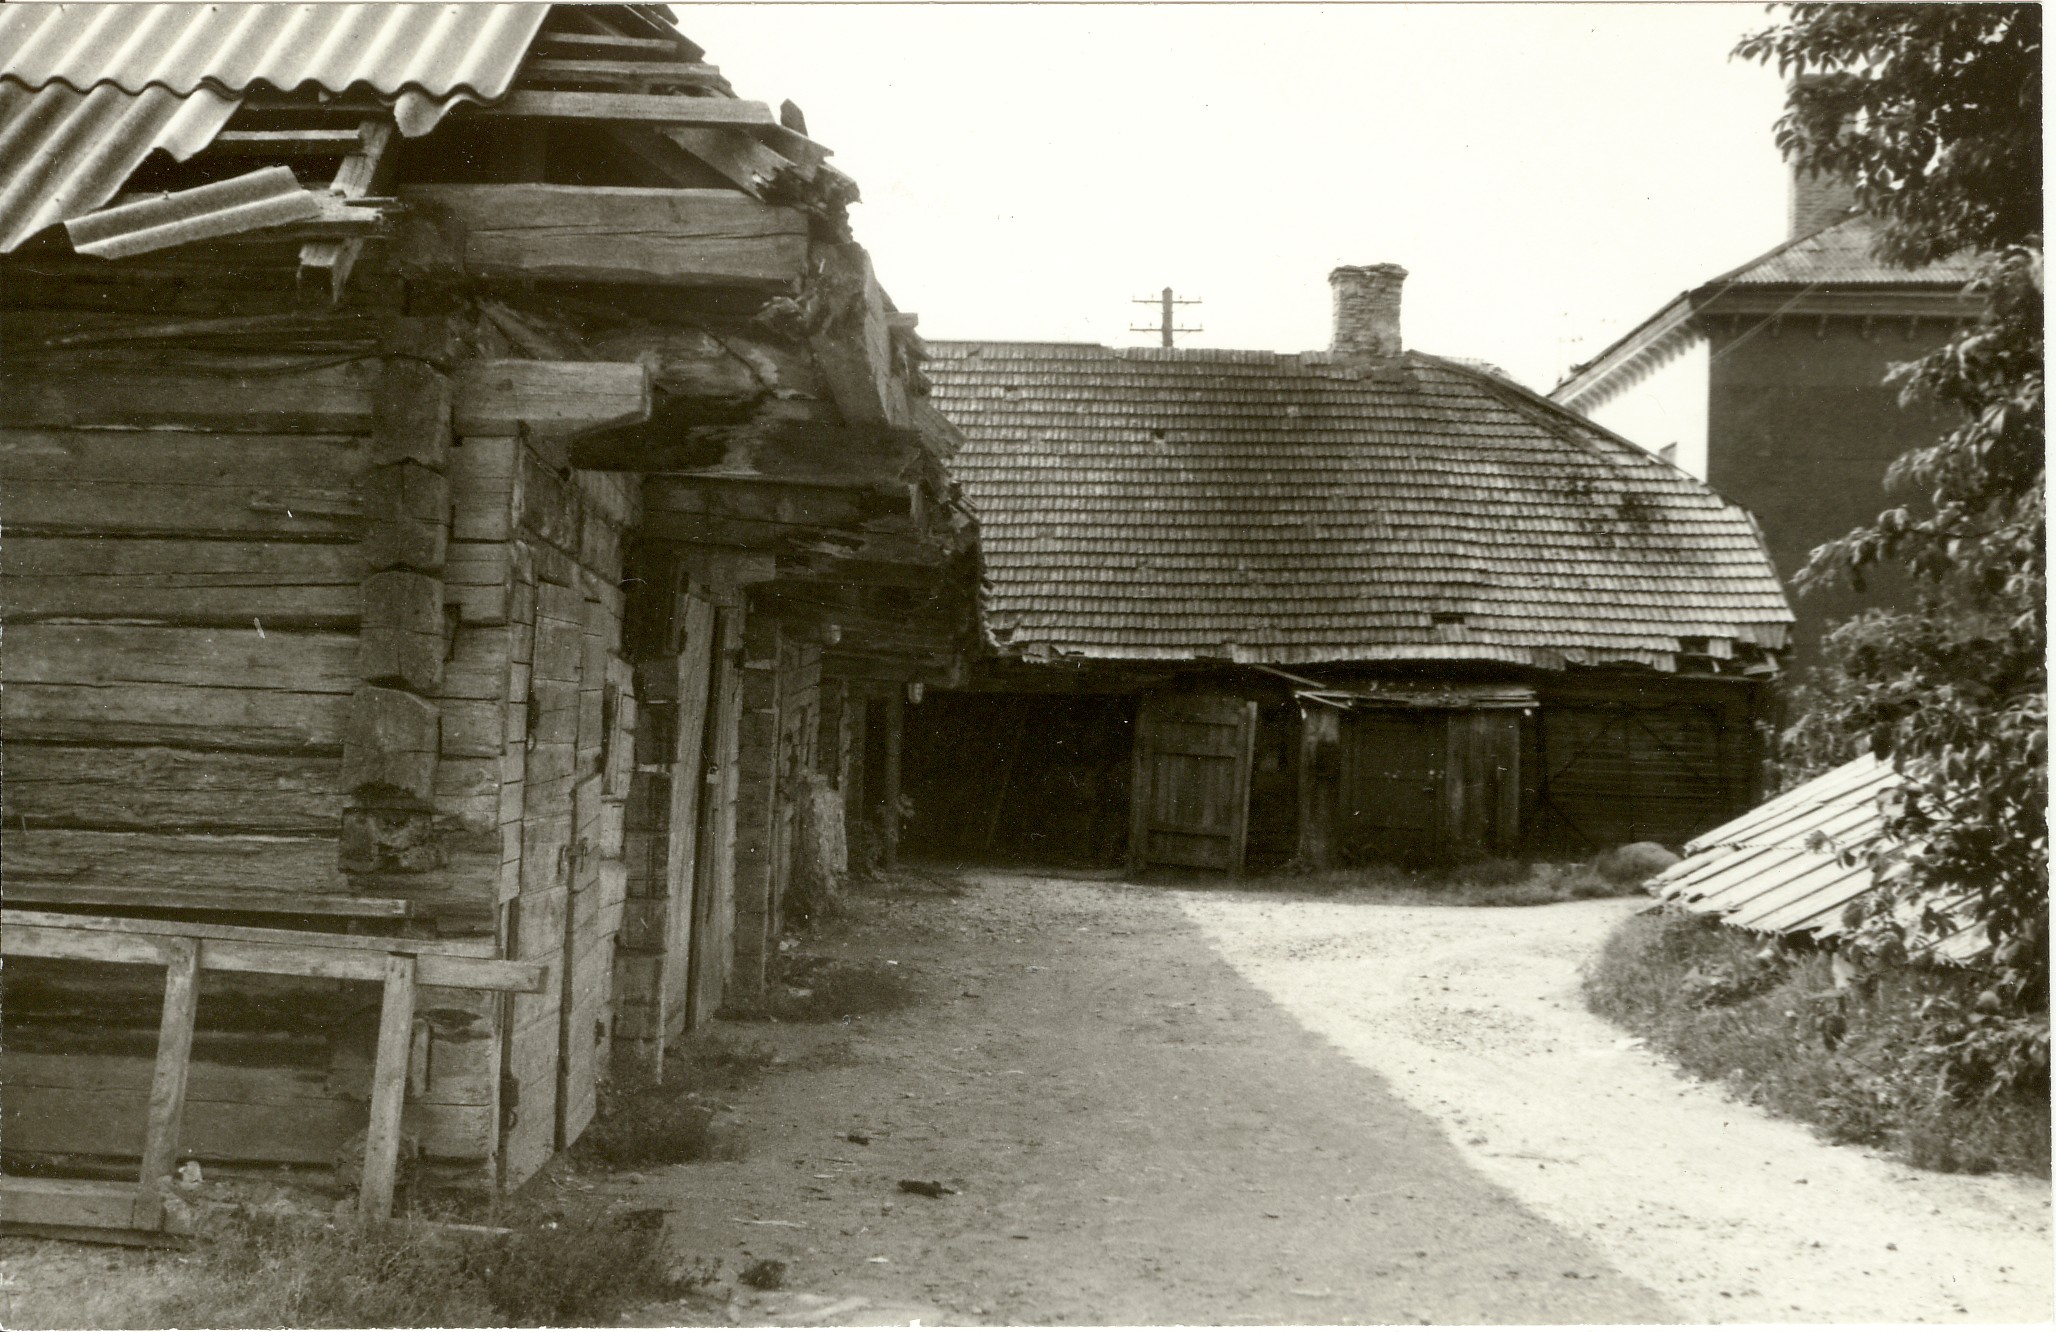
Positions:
{"x": 1167, "y": 326}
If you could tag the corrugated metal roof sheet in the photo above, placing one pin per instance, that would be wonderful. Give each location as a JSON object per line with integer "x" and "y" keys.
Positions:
{"x": 1288, "y": 509}
{"x": 87, "y": 91}
{"x": 1779, "y": 869}
{"x": 267, "y": 197}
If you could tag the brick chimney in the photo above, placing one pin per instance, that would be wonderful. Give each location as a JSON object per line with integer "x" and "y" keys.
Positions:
{"x": 1816, "y": 202}
{"x": 1367, "y": 311}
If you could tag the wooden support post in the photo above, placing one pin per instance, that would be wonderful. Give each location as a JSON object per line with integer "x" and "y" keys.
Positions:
{"x": 388, "y": 1088}
{"x": 889, "y": 793}
{"x": 1320, "y": 744}
{"x": 174, "y": 1058}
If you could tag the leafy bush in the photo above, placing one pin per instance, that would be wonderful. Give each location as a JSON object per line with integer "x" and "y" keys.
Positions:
{"x": 580, "y": 1270}
{"x": 1858, "y": 1059}
{"x": 1934, "y": 114}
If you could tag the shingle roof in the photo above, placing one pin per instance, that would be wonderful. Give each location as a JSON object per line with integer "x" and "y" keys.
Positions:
{"x": 87, "y": 91}
{"x": 1841, "y": 256}
{"x": 1291, "y": 509}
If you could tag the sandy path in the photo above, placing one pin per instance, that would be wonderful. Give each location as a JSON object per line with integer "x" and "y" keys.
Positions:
{"x": 1137, "y": 1134}
{"x": 1473, "y": 1016}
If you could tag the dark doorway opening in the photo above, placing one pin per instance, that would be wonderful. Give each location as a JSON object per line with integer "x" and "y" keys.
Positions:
{"x": 1036, "y": 777}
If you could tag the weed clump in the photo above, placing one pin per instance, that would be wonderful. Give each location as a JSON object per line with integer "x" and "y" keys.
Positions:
{"x": 279, "y": 1269}
{"x": 1492, "y": 882}
{"x": 710, "y": 1055}
{"x": 1770, "y": 1021}
{"x": 652, "y": 1124}
{"x": 831, "y": 990}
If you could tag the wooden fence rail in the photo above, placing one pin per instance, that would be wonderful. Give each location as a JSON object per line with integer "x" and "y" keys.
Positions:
{"x": 184, "y": 949}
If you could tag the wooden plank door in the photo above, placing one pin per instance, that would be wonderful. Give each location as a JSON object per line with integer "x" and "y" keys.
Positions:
{"x": 1393, "y": 770}
{"x": 1484, "y": 781}
{"x": 1193, "y": 754}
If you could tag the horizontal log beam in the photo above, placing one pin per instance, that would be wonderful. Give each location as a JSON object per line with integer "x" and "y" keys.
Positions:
{"x": 268, "y": 952}
{"x": 201, "y": 899}
{"x": 891, "y": 668}
{"x": 192, "y": 390}
{"x": 752, "y": 118}
{"x": 642, "y": 73}
{"x": 569, "y": 233}
{"x": 140, "y": 788}
{"x": 781, "y": 440}
{"x": 279, "y": 584}
{"x": 551, "y": 397}
{"x": 598, "y": 44}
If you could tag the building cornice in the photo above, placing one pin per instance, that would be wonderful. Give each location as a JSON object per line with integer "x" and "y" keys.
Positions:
{"x": 1657, "y": 339}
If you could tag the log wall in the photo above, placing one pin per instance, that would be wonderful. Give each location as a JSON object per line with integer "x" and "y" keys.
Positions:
{"x": 284, "y": 643}
{"x": 228, "y": 650}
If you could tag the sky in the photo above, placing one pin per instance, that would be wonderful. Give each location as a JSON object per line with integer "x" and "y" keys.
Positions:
{"x": 1549, "y": 174}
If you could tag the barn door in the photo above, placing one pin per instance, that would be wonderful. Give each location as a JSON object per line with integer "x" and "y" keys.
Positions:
{"x": 1191, "y": 795}
{"x": 1394, "y": 766}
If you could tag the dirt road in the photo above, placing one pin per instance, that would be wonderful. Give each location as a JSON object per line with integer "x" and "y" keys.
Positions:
{"x": 1138, "y": 1134}
{"x": 1473, "y": 1017}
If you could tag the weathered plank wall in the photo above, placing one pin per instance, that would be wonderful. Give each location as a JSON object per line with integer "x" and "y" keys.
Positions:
{"x": 281, "y": 640}
{"x": 780, "y": 727}
{"x": 675, "y": 665}
{"x": 563, "y": 872}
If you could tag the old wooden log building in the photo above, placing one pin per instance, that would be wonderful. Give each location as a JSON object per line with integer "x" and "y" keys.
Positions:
{"x": 1360, "y": 604}
{"x": 467, "y": 500}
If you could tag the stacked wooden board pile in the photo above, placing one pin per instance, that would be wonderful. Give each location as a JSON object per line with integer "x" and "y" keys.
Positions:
{"x": 407, "y": 469}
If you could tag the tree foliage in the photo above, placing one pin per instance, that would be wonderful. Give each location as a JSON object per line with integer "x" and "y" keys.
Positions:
{"x": 1935, "y": 113}
{"x": 1932, "y": 111}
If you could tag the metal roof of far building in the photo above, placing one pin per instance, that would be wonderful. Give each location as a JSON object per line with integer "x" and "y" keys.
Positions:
{"x": 1837, "y": 261}
{"x": 1840, "y": 256}
{"x": 1278, "y": 508}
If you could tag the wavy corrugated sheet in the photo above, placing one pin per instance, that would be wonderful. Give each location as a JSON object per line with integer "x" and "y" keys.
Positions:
{"x": 1283, "y": 509}
{"x": 87, "y": 91}
{"x": 1780, "y": 868}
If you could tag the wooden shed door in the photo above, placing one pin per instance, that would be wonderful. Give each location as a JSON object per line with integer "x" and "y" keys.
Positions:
{"x": 1393, "y": 773}
{"x": 1191, "y": 796}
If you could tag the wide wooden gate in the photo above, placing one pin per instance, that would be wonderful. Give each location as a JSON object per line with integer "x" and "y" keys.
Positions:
{"x": 1191, "y": 792}
{"x": 1630, "y": 774}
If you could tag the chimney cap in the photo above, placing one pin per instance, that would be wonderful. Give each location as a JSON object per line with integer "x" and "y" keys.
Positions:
{"x": 1365, "y": 270}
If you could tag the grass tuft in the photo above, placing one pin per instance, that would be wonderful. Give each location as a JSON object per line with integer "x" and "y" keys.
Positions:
{"x": 1495, "y": 882}
{"x": 276, "y": 1269}
{"x": 651, "y": 1125}
{"x": 1769, "y": 1022}
{"x": 830, "y": 990}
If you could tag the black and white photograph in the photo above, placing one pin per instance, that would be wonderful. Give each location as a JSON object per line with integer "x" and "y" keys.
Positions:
{"x": 793, "y": 663}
